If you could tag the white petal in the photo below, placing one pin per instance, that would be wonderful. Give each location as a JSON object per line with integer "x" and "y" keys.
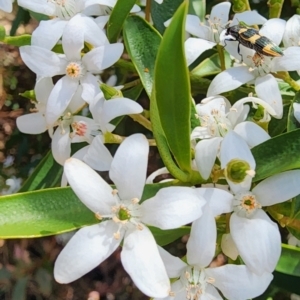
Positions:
{"x": 129, "y": 166}
{"x": 39, "y": 6}
{"x": 77, "y": 103}
{"x": 219, "y": 13}
{"x": 98, "y": 157}
{"x": 249, "y": 17}
{"x": 172, "y": 207}
{"x": 90, "y": 188}
{"x": 60, "y": 97}
{"x": 48, "y": 33}
{"x": 101, "y": 21}
{"x": 290, "y": 61}
{"x": 102, "y": 57}
{"x": 278, "y": 188}
{"x": 6, "y": 6}
{"x": 194, "y": 47}
{"x": 251, "y": 133}
{"x": 90, "y": 85}
{"x": 291, "y": 35}
{"x": 194, "y": 26}
{"x": 261, "y": 253}
{"x": 296, "y": 107}
{"x": 89, "y": 247}
{"x": 179, "y": 291}
{"x": 228, "y": 246}
{"x": 241, "y": 284}
{"x": 42, "y": 89}
{"x": 174, "y": 265}
{"x": 273, "y": 29}
{"x": 205, "y": 155}
{"x": 34, "y": 123}
{"x": 229, "y": 80}
{"x": 267, "y": 89}
{"x": 152, "y": 176}
{"x": 61, "y": 145}
{"x": 141, "y": 260}
{"x": 201, "y": 245}
{"x": 43, "y": 62}
{"x": 219, "y": 201}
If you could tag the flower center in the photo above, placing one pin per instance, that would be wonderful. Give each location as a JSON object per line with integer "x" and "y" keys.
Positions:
{"x": 237, "y": 169}
{"x": 75, "y": 70}
{"x": 195, "y": 281}
{"x": 79, "y": 128}
{"x": 65, "y": 9}
{"x": 245, "y": 204}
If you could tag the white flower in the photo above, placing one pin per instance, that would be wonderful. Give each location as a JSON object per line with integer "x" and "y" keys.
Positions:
{"x": 123, "y": 219}
{"x": 291, "y": 35}
{"x": 6, "y": 5}
{"x": 14, "y": 184}
{"x": 217, "y": 118}
{"x": 78, "y": 70}
{"x": 48, "y": 33}
{"x": 266, "y": 86}
{"x": 208, "y": 33}
{"x": 296, "y": 107}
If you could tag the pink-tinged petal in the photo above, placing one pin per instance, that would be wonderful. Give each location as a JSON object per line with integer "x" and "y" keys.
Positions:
{"x": 97, "y": 156}
{"x": 220, "y": 12}
{"x": 90, "y": 87}
{"x": 278, "y": 188}
{"x": 172, "y": 207}
{"x": 34, "y": 123}
{"x": 102, "y": 57}
{"x": 6, "y": 6}
{"x": 61, "y": 145}
{"x": 73, "y": 38}
{"x": 42, "y": 89}
{"x": 260, "y": 254}
{"x": 48, "y": 33}
{"x": 201, "y": 245}
{"x": 194, "y": 47}
{"x": 238, "y": 282}
{"x": 43, "y": 62}
{"x": 267, "y": 89}
{"x": 249, "y": 17}
{"x": 274, "y": 30}
{"x": 88, "y": 248}
{"x": 290, "y": 61}
{"x": 174, "y": 265}
{"x": 291, "y": 35}
{"x": 89, "y": 187}
{"x": 251, "y": 133}
{"x": 129, "y": 166}
{"x": 296, "y": 107}
{"x": 205, "y": 155}
{"x": 141, "y": 260}
{"x": 193, "y": 26}
{"x": 90, "y": 125}
{"x": 229, "y": 80}
{"x": 219, "y": 201}
{"x": 40, "y": 6}
{"x": 59, "y": 99}
{"x": 228, "y": 246}
{"x": 93, "y": 33}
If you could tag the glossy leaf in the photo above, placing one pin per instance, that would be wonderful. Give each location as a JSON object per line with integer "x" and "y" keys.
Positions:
{"x": 278, "y": 126}
{"x": 117, "y": 18}
{"x": 277, "y": 155}
{"x": 289, "y": 262}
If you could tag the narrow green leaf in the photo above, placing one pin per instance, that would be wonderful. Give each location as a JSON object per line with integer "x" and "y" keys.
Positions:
{"x": 117, "y": 18}
{"x": 289, "y": 262}
{"x": 142, "y": 42}
{"x": 172, "y": 90}
{"x": 276, "y": 155}
{"x": 165, "y": 237}
{"x": 161, "y": 13}
{"x": 46, "y": 175}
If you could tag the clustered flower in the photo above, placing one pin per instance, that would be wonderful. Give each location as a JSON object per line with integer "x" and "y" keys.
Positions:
{"x": 224, "y": 134}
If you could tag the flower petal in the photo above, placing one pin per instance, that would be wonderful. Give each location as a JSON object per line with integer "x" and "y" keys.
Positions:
{"x": 241, "y": 284}
{"x": 141, "y": 260}
{"x": 172, "y": 207}
{"x": 129, "y": 166}
{"x": 278, "y": 188}
{"x": 220, "y": 12}
{"x": 6, "y": 6}
{"x": 90, "y": 86}
{"x": 274, "y": 30}
{"x": 291, "y": 35}
{"x": 250, "y": 17}
{"x": 193, "y": 26}
{"x": 205, "y": 155}
{"x": 90, "y": 188}
{"x": 61, "y": 145}
{"x": 40, "y": 6}
{"x": 228, "y": 246}
{"x": 34, "y": 123}
{"x": 89, "y": 247}
{"x": 42, "y": 89}
{"x": 290, "y": 61}
{"x": 261, "y": 253}
{"x": 296, "y": 107}
{"x": 229, "y": 80}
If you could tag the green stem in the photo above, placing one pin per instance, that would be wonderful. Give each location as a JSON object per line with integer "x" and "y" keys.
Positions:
{"x": 142, "y": 120}
{"x": 287, "y": 78}
{"x": 275, "y": 8}
{"x": 240, "y": 6}
{"x": 148, "y": 10}
{"x": 221, "y": 56}
{"x": 131, "y": 84}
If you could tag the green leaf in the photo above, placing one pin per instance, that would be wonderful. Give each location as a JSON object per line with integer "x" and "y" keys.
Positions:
{"x": 19, "y": 290}
{"x": 21, "y": 40}
{"x": 165, "y": 237}
{"x": 198, "y": 7}
{"x": 172, "y": 90}
{"x": 142, "y": 42}
{"x": 117, "y": 18}
{"x": 46, "y": 175}
{"x": 278, "y": 126}
{"x": 277, "y": 154}
{"x": 160, "y": 13}
{"x": 289, "y": 262}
